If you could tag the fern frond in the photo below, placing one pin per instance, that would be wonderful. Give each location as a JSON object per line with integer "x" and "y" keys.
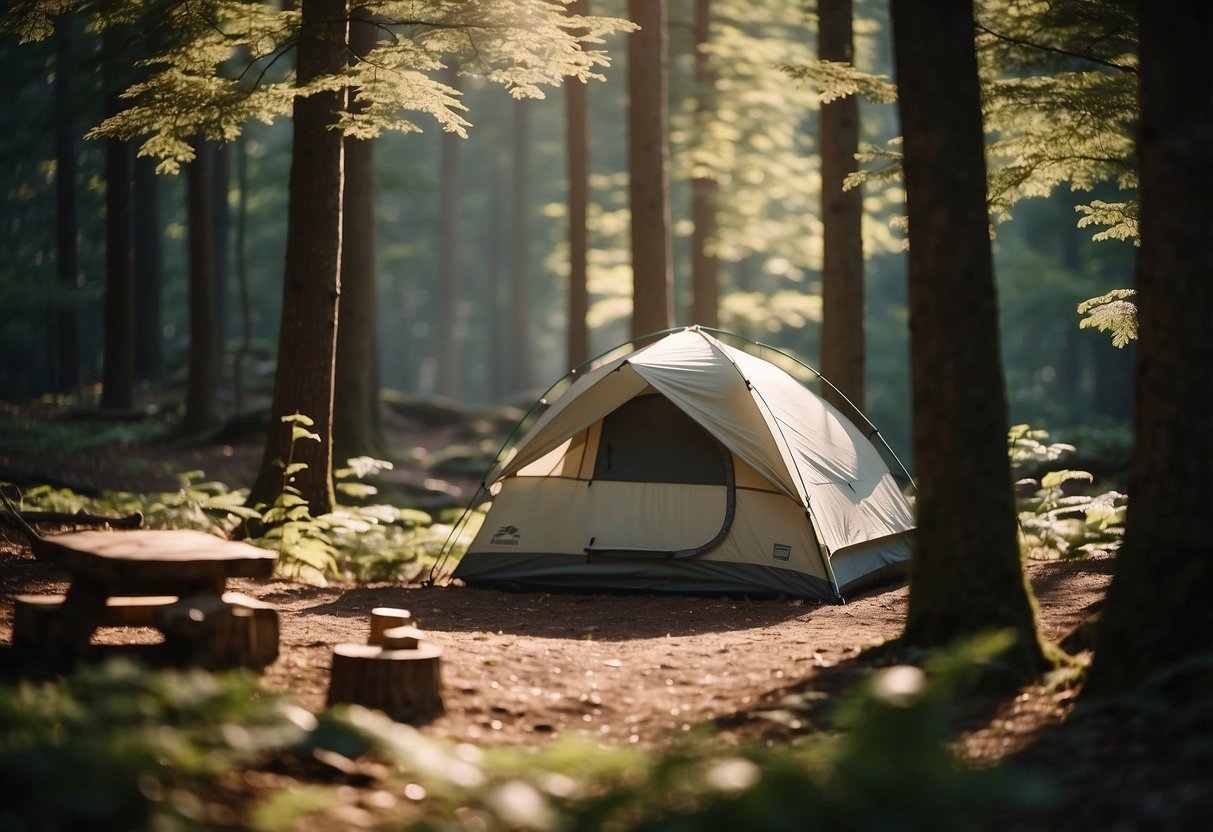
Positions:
{"x": 1112, "y": 313}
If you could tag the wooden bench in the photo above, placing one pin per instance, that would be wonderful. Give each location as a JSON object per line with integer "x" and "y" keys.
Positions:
{"x": 234, "y": 630}
{"x": 32, "y": 614}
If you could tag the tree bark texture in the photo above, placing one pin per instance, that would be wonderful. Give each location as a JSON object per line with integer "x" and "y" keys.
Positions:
{"x": 1157, "y": 612}
{"x": 842, "y": 327}
{"x": 67, "y": 329}
{"x": 202, "y": 383}
{"x": 649, "y": 169}
{"x": 577, "y": 144}
{"x": 118, "y": 368}
{"x": 307, "y": 339}
{"x": 356, "y": 427}
{"x": 705, "y": 265}
{"x": 966, "y": 576}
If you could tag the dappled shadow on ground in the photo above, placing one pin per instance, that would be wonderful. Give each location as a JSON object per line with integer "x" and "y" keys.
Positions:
{"x": 603, "y": 617}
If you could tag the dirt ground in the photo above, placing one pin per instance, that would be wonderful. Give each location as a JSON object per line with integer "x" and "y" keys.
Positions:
{"x": 522, "y": 668}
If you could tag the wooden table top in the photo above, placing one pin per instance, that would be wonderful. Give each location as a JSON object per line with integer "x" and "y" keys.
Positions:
{"x": 156, "y": 554}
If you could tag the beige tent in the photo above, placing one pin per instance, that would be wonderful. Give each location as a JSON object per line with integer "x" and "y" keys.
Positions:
{"x": 691, "y": 466}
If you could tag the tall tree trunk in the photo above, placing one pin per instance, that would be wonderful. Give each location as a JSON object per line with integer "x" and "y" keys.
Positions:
{"x": 67, "y": 340}
{"x": 149, "y": 272}
{"x": 705, "y": 265}
{"x": 1157, "y": 613}
{"x": 500, "y": 367}
{"x": 307, "y": 341}
{"x": 221, "y": 221}
{"x": 202, "y": 381}
{"x": 520, "y": 272}
{"x": 118, "y": 369}
{"x": 450, "y": 382}
{"x": 966, "y": 575}
{"x": 842, "y": 328}
{"x": 356, "y": 427}
{"x": 649, "y": 169}
{"x": 577, "y": 145}
{"x": 242, "y": 277}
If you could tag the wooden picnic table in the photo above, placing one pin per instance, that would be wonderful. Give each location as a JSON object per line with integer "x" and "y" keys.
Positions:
{"x": 174, "y": 580}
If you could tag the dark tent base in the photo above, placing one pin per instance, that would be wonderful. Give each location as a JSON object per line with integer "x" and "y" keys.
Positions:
{"x": 539, "y": 572}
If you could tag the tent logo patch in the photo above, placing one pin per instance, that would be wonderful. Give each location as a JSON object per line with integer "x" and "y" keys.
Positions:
{"x": 507, "y": 536}
{"x": 782, "y": 551}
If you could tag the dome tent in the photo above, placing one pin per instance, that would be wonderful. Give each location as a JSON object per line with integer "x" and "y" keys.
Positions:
{"x": 687, "y": 465}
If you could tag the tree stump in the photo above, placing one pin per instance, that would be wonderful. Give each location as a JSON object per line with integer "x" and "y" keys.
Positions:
{"x": 405, "y": 684}
{"x": 401, "y": 638}
{"x": 220, "y": 633}
{"x": 385, "y": 618}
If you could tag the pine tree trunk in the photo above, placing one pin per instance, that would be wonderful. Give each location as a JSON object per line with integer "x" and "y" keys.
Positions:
{"x": 577, "y": 143}
{"x": 356, "y": 427}
{"x": 149, "y": 273}
{"x": 202, "y": 383}
{"x": 1157, "y": 612}
{"x": 842, "y": 328}
{"x": 67, "y": 329}
{"x": 221, "y": 220}
{"x": 520, "y": 272}
{"x": 705, "y": 265}
{"x": 242, "y": 277}
{"x": 966, "y": 575}
{"x": 118, "y": 368}
{"x": 649, "y": 169}
{"x": 498, "y": 360}
{"x": 450, "y": 382}
{"x": 307, "y": 342}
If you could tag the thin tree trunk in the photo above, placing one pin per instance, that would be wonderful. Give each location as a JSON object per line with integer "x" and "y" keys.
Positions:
{"x": 520, "y": 273}
{"x": 649, "y": 169}
{"x": 577, "y": 143}
{"x": 242, "y": 276}
{"x": 450, "y": 382}
{"x": 67, "y": 349}
{"x": 500, "y": 367}
{"x": 149, "y": 272}
{"x": 221, "y": 221}
{"x": 966, "y": 576}
{"x": 356, "y": 430}
{"x": 202, "y": 381}
{"x": 842, "y": 329}
{"x": 1157, "y": 613}
{"x": 118, "y": 369}
{"x": 307, "y": 341}
{"x": 705, "y": 265}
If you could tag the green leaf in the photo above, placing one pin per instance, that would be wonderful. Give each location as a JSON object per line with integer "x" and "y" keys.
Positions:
{"x": 298, "y": 433}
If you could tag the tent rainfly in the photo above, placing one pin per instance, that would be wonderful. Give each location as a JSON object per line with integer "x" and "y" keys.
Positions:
{"x": 691, "y": 466}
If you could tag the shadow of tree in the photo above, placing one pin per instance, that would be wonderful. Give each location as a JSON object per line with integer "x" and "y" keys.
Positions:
{"x": 616, "y": 617}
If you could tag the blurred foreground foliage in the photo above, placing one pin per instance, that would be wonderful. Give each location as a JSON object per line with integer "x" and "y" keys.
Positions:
{"x": 124, "y": 747}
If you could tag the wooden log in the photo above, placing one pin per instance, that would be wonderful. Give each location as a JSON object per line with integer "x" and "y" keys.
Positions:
{"x": 404, "y": 684}
{"x": 385, "y": 618}
{"x": 219, "y": 633}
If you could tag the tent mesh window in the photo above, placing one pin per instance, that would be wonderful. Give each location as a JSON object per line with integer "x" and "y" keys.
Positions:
{"x": 648, "y": 439}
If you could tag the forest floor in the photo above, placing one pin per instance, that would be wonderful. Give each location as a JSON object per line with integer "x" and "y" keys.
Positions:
{"x": 524, "y": 668}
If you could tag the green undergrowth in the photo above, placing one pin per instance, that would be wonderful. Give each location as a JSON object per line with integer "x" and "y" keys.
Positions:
{"x": 1061, "y": 512}
{"x": 124, "y": 747}
{"x": 358, "y": 542}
